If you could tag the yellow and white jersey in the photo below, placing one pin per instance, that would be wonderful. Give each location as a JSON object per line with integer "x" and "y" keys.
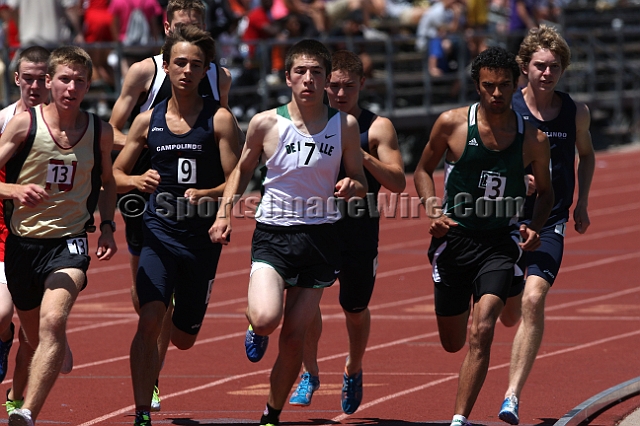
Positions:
{"x": 301, "y": 175}
{"x": 65, "y": 173}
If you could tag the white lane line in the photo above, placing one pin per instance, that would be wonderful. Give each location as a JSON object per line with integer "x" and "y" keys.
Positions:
{"x": 600, "y": 262}
{"x": 130, "y": 408}
{"x": 495, "y": 367}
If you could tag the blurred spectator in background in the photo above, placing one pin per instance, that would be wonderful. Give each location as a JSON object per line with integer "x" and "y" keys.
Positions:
{"x": 99, "y": 28}
{"x": 9, "y": 29}
{"x": 350, "y": 26}
{"x": 260, "y": 26}
{"x": 48, "y": 23}
{"x": 523, "y": 16}
{"x": 477, "y": 26}
{"x": 340, "y": 10}
{"x": 122, "y": 11}
{"x": 439, "y": 34}
{"x": 221, "y": 18}
{"x": 293, "y": 26}
{"x": 405, "y": 12}
{"x": 314, "y": 9}
{"x": 549, "y": 11}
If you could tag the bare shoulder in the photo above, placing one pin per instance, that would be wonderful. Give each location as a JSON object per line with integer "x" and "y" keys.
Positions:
{"x": 349, "y": 119}
{"x": 146, "y": 67}
{"x": 223, "y": 117}
{"x": 223, "y": 114}
{"x": 225, "y": 76}
{"x": 264, "y": 120}
{"x": 106, "y": 130}
{"x": 532, "y": 134}
{"x": 450, "y": 120}
{"x": 143, "y": 119}
{"x": 583, "y": 116}
{"x": 381, "y": 124}
{"x": 22, "y": 120}
{"x": 139, "y": 75}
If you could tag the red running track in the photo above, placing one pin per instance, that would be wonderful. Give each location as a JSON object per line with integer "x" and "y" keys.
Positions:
{"x": 590, "y": 342}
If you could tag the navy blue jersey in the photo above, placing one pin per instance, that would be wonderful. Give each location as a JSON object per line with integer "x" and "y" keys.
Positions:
{"x": 189, "y": 160}
{"x": 361, "y": 232}
{"x": 561, "y": 132}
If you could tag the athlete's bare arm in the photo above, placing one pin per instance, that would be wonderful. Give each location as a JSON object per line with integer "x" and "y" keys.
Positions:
{"x": 106, "y": 244}
{"x": 536, "y": 153}
{"x": 226, "y": 134}
{"x": 385, "y": 160}
{"x": 224, "y": 86}
{"x": 262, "y": 138}
{"x": 136, "y": 82}
{"x": 136, "y": 140}
{"x": 586, "y": 167}
{"x": 14, "y": 135}
{"x": 355, "y": 184}
{"x": 446, "y": 134}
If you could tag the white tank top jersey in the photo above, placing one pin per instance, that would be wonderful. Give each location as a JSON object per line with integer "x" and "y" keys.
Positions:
{"x": 11, "y": 108}
{"x": 299, "y": 185}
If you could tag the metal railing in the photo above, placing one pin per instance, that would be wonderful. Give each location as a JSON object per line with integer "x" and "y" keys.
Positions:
{"x": 605, "y": 74}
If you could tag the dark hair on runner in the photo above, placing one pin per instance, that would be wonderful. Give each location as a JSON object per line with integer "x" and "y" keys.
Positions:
{"x": 308, "y": 47}
{"x": 35, "y": 54}
{"x": 495, "y": 58}
{"x": 190, "y": 34}
{"x": 345, "y": 60}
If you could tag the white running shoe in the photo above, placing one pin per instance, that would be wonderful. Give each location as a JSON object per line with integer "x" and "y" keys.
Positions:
{"x": 20, "y": 417}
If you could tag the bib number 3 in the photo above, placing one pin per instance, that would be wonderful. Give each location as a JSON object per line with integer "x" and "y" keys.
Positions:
{"x": 495, "y": 188}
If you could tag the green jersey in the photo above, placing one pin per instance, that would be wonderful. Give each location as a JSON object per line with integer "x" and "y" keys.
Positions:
{"x": 485, "y": 189}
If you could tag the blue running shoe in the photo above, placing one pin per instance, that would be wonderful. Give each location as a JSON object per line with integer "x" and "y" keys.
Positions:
{"x": 351, "y": 392}
{"x": 5, "y": 347}
{"x": 255, "y": 345}
{"x": 303, "y": 393}
{"x": 509, "y": 411}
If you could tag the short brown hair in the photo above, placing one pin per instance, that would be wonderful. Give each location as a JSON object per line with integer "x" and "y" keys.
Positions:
{"x": 544, "y": 37}
{"x": 69, "y": 55}
{"x": 35, "y": 54}
{"x": 190, "y": 34}
{"x": 176, "y": 5}
{"x": 345, "y": 60}
{"x": 308, "y": 47}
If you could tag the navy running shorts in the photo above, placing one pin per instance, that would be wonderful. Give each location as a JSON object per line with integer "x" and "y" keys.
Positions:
{"x": 467, "y": 264}
{"x": 543, "y": 262}
{"x": 28, "y": 263}
{"x": 188, "y": 275}
{"x": 304, "y": 255}
{"x": 357, "y": 278}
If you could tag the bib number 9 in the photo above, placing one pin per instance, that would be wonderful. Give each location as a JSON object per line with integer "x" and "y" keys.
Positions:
{"x": 187, "y": 170}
